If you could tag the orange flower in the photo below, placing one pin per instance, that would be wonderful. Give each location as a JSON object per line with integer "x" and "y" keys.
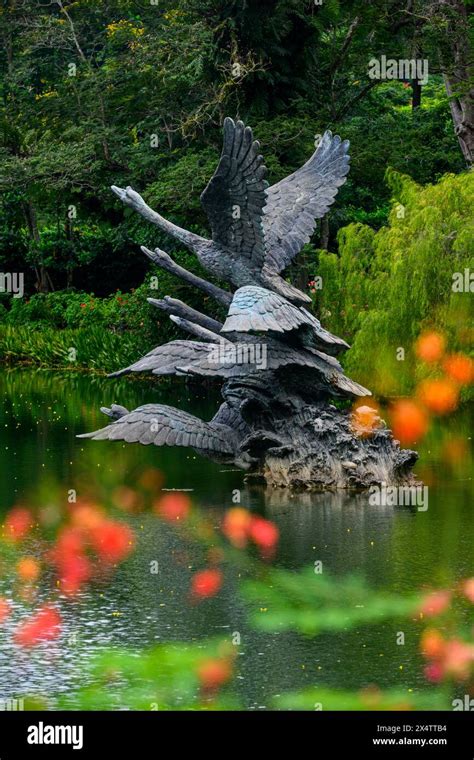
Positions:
{"x": 112, "y": 540}
{"x": 214, "y": 673}
{"x": 365, "y": 419}
{"x": 86, "y": 516}
{"x": 151, "y": 479}
{"x": 439, "y": 396}
{"x": 468, "y": 589}
{"x": 409, "y": 421}
{"x": 28, "y": 569}
{"x": 44, "y": 625}
{"x": 5, "y": 608}
{"x": 127, "y": 499}
{"x": 435, "y": 603}
{"x": 18, "y": 523}
{"x": 430, "y": 347}
{"x": 236, "y": 526}
{"x": 206, "y": 583}
{"x": 173, "y": 507}
{"x": 432, "y": 643}
{"x": 460, "y": 368}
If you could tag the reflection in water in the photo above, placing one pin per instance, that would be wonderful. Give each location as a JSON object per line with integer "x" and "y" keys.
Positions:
{"x": 398, "y": 549}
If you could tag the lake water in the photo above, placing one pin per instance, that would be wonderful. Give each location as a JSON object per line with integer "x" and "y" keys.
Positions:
{"x": 394, "y": 548}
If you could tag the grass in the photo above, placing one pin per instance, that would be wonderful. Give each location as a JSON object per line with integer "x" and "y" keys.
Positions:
{"x": 94, "y": 348}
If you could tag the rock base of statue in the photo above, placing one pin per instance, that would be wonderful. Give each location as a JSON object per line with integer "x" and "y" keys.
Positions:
{"x": 289, "y": 439}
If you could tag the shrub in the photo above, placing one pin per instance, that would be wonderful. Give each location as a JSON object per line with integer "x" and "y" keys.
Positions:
{"x": 386, "y": 287}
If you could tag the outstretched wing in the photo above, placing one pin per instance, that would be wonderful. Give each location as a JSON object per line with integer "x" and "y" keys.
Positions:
{"x": 163, "y": 425}
{"x": 235, "y": 196}
{"x": 165, "y": 360}
{"x": 297, "y": 201}
{"x": 256, "y": 309}
{"x": 242, "y": 362}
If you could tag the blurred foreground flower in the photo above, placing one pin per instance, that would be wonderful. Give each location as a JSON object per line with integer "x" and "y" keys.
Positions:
{"x": 265, "y": 534}
{"x": 214, "y": 673}
{"x": 5, "y": 609}
{"x": 409, "y": 421}
{"x": 173, "y": 507}
{"x": 432, "y": 643}
{"x": 435, "y": 603}
{"x": 18, "y": 523}
{"x": 450, "y": 659}
{"x": 44, "y": 625}
{"x": 236, "y": 525}
{"x": 239, "y": 526}
{"x": 206, "y": 583}
{"x": 468, "y": 589}
{"x": 127, "y": 499}
{"x": 459, "y": 368}
{"x": 440, "y": 396}
{"x": 430, "y": 347}
{"x": 112, "y": 540}
{"x": 28, "y": 569}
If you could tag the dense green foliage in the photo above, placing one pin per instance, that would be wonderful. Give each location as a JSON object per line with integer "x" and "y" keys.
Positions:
{"x": 387, "y": 286}
{"x": 121, "y": 92}
{"x": 95, "y": 93}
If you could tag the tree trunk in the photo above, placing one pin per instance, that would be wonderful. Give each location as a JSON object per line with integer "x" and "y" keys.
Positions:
{"x": 324, "y": 233}
{"x": 458, "y": 73}
{"x": 43, "y": 281}
{"x": 462, "y": 112}
{"x": 416, "y": 94}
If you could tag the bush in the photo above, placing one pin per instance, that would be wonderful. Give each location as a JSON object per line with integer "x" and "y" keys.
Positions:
{"x": 388, "y": 286}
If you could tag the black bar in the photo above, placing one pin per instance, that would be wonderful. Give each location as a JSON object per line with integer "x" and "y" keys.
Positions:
{"x": 140, "y": 734}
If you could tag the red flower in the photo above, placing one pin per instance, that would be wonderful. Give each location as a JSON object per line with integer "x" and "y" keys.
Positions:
{"x": 44, "y": 625}
{"x": 73, "y": 566}
{"x": 112, "y": 540}
{"x": 434, "y": 672}
{"x": 214, "y": 673}
{"x": 5, "y": 609}
{"x": 206, "y": 583}
{"x": 173, "y": 507}
{"x": 265, "y": 534}
{"x": 76, "y": 570}
{"x": 458, "y": 658}
{"x": 68, "y": 543}
{"x": 18, "y": 523}
{"x": 435, "y": 603}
